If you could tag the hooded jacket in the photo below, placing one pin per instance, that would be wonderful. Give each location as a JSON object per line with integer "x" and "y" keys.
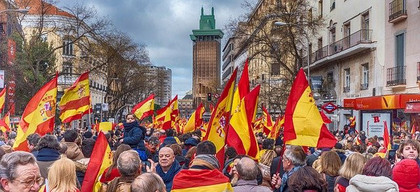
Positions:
{"x": 134, "y": 136}
{"x": 371, "y": 184}
{"x": 406, "y": 174}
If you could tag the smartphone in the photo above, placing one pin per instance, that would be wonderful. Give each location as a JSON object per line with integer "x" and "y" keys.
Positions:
{"x": 391, "y": 155}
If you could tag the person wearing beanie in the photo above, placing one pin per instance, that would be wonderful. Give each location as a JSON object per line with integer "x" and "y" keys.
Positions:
{"x": 406, "y": 174}
{"x": 203, "y": 171}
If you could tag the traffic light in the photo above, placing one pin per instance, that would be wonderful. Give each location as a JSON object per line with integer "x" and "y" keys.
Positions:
{"x": 208, "y": 96}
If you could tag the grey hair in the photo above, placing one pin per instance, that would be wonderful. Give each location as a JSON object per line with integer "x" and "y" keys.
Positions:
{"x": 128, "y": 163}
{"x": 296, "y": 155}
{"x": 11, "y": 161}
{"x": 148, "y": 182}
{"x": 247, "y": 169}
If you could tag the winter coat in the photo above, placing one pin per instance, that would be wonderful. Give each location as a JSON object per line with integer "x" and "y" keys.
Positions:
{"x": 134, "y": 135}
{"x": 168, "y": 177}
{"x": 81, "y": 166}
{"x": 45, "y": 158}
{"x": 406, "y": 174}
{"x": 266, "y": 177}
{"x": 371, "y": 184}
{"x": 249, "y": 186}
{"x": 73, "y": 151}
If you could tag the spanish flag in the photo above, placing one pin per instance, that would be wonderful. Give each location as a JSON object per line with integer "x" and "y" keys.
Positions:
{"x": 387, "y": 143}
{"x": 38, "y": 116}
{"x": 76, "y": 100}
{"x": 240, "y": 133}
{"x": 104, "y": 126}
{"x": 2, "y": 98}
{"x": 201, "y": 181}
{"x": 100, "y": 159}
{"x": 195, "y": 121}
{"x": 5, "y": 123}
{"x": 216, "y": 130}
{"x": 303, "y": 124}
{"x": 275, "y": 131}
{"x": 144, "y": 108}
{"x": 168, "y": 115}
{"x": 267, "y": 121}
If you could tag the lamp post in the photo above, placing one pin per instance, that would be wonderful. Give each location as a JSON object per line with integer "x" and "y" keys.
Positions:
{"x": 280, "y": 23}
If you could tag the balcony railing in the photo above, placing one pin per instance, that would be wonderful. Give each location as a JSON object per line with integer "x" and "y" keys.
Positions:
{"x": 395, "y": 76}
{"x": 358, "y": 37}
{"x": 67, "y": 79}
{"x": 397, "y": 10}
{"x": 364, "y": 86}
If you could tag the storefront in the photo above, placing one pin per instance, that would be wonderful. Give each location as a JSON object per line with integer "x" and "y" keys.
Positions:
{"x": 374, "y": 113}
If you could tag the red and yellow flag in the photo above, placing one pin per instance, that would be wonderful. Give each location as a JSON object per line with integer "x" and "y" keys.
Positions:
{"x": 104, "y": 126}
{"x": 76, "y": 100}
{"x": 216, "y": 130}
{"x": 38, "y": 116}
{"x": 201, "y": 181}
{"x": 195, "y": 121}
{"x": 387, "y": 143}
{"x": 2, "y": 98}
{"x": 240, "y": 132}
{"x": 267, "y": 121}
{"x": 303, "y": 124}
{"x": 5, "y": 123}
{"x": 144, "y": 108}
{"x": 100, "y": 159}
{"x": 275, "y": 131}
{"x": 168, "y": 115}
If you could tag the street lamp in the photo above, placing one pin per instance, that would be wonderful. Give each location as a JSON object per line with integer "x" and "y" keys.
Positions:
{"x": 281, "y": 23}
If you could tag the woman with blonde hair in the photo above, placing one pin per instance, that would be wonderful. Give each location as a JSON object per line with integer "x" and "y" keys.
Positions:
{"x": 62, "y": 176}
{"x": 352, "y": 166}
{"x": 264, "y": 165}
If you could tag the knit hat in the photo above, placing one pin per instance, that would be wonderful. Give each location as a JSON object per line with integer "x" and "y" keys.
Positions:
{"x": 406, "y": 175}
{"x": 210, "y": 159}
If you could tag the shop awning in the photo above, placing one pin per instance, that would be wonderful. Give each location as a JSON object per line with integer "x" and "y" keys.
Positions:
{"x": 397, "y": 101}
{"x": 412, "y": 107}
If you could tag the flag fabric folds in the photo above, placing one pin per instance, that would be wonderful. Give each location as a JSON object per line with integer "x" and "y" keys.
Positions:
{"x": 5, "y": 124}
{"x": 195, "y": 120}
{"x": 267, "y": 121}
{"x": 100, "y": 159}
{"x": 303, "y": 124}
{"x": 38, "y": 116}
{"x": 240, "y": 133}
{"x": 216, "y": 130}
{"x": 275, "y": 131}
{"x": 387, "y": 143}
{"x": 2, "y": 98}
{"x": 201, "y": 181}
{"x": 168, "y": 115}
{"x": 76, "y": 100}
{"x": 144, "y": 108}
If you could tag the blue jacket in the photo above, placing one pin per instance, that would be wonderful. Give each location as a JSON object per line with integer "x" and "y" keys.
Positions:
{"x": 168, "y": 177}
{"x": 134, "y": 136}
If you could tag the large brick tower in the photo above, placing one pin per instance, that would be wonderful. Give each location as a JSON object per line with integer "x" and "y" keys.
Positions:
{"x": 206, "y": 59}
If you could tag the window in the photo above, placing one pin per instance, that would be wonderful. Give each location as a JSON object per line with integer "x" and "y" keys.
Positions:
{"x": 346, "y": 80}
{"x": 365, "y": 76}
{"x": 399, "y": 50}
{"x": 67, "y": 47}
{"x": 346, "y": 35}
{"x": 320, "y": 9}
{"x": 365, "y": 20}
{"x": 310, "y": 14}
{"x": 332, "y": 35}
{"x": 275, "y": 69}
{"x": 67, "y": 68}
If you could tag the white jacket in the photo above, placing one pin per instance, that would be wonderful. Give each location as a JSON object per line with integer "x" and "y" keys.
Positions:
{"x": 371, "y": 184}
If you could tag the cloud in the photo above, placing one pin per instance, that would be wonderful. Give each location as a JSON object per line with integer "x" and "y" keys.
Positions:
{"x": 164, "y": 26}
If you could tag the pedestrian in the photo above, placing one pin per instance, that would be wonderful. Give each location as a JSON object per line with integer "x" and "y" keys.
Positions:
{"x": 19, "y": 172}
{"x": 247, "y": 172}
{"x": 376, "y": 176}
{"x": 134, "y": 136}
{"x": 48, "y": 152}
{"x": 307, "y": 179}
{"x": 148, "y": 182}
{"x": 293, "y": 159}
{"x": 168, "y": 167}
{"x": 330, "y": 164}
{"x": 352, "y": 166}
{"x": 406, "y": 174}
{"x": 62, "y": 176}
{"x": 112, "y": 172}
{"x": 264, "y": 165}
{"x": 409, "y": 149}
{"x": 73, "y": 151}
{"x": 129, "y": 166}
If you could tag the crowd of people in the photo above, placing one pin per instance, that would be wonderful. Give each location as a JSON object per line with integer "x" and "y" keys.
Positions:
{"x": 149, "y": 160}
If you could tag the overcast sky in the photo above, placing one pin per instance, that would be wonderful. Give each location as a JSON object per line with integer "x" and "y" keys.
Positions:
{"x": 164, "y": 26}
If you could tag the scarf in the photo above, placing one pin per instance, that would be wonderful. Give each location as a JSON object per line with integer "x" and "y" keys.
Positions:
{"x": 168, "y": 176}
{"x": 47, "y": 154}
{"x": 286, "y": 176}
{"x": 209, "y": 161}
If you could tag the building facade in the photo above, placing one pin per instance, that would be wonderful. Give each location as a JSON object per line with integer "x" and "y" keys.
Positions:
{"x": 206, "y": 58}
{"x": 185, "y": 105}
{"x": 161, "y": 81}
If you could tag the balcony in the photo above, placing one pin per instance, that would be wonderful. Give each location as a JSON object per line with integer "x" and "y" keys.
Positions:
{"x": 358, "y": 41}
{"x": 67, "y": 79}
{"x": 395, "y": 76}
{"x": 364, "y": 86}
{"x": 397, "y": 11}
